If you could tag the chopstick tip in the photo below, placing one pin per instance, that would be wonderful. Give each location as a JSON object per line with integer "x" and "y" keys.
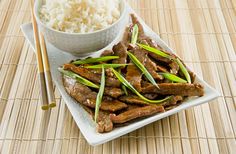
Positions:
{"x": 45, "y": 107}
{"x": 52, "y": 104}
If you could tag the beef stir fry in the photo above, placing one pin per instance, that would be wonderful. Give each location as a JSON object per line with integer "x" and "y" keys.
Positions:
{"x": 136, "y": 79}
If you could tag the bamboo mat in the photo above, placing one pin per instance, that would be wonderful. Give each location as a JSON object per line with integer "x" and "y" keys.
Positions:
{"x": 203, "y": 33}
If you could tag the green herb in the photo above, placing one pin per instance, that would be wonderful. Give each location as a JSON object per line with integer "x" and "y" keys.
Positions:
{"x": 122, "y": 86}
{"x": 142, "y": 68}
{"x": 106, "y": 65}
{"x": 154, "y": 50}
{"x": 78, "y": 78}
{"x": 100, "y": 94}
{"x": 173, "y": 77}
{"x": 95, "y": 60}
{"x": 129, "y": 86}
{"x": 184, "y": 70}
{"x": 124, "y": 89}
{"x": 134, "y": 36}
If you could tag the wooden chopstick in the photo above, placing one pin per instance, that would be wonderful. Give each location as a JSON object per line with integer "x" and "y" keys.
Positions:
{"x": 44, "y": 98}
{"x": 47, "y": 72}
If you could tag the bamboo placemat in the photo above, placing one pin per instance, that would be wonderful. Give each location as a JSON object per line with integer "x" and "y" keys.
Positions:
{"x": 202, "y": 32}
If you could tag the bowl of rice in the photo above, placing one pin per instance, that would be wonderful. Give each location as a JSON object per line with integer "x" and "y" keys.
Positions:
{"x": 80, "y": 27}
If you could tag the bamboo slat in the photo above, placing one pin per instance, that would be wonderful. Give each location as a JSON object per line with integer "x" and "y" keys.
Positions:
{"x": 202, "y": 32}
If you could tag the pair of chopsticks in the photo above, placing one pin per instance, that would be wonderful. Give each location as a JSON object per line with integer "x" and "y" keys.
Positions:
{"x": 47, "y": 94}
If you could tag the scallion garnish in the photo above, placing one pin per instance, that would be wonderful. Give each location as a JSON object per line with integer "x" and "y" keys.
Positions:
{"x": 129, "y": 86}
{"x": 78, "y": 78}
{"x": 95, "y": 60}
{"x": 124, "y": 89}
{"x": 142, "y": 68}
{"x": 154, "y": 50}
{"x": 184, "y": 70}
{"x": 100, "y": 94}
{"x": 106, "y": 65}
{"x": 134, "y": 36}
{"x": 173, "y": 77}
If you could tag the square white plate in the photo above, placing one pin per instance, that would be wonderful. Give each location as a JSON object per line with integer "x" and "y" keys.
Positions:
{"x": 87, "y": 127}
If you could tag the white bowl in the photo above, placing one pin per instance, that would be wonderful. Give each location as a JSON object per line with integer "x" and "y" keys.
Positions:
{"x": 81, "y": 44}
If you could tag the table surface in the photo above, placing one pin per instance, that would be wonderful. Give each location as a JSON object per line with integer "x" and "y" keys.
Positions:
{"x": 202, "y": 32}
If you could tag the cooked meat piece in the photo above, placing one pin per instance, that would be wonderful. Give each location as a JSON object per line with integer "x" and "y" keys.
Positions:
{"x": 109, "y": 72}
{"x": 182, "y": 89}
{"x": 141, "y": 55}
{"x": 140, "y": 27}
{"x": 174, "y": 67}
{"x": 107, "y": 53}
{"x": 132, "y": 106}
{"x": 161, "y": 69}
{"x": 87, "y": 97}
{"x": 151, "y": 67}
{"x": 173, "y": 100}
{"x": 192, "y": 75}
{"x": 136, "y": 113}
{"x": 113, "y": 92}
{"x": 132, "y": 99}
{"x": 90, "y": 75}
{"x": 171, "y": 107}
{"x": 121, "y": 51}
{"x": 104, "y": 123}
{"x": 134, "y": 76}
{"x": 151, "y": 96}
{"x": 126, "y": 36}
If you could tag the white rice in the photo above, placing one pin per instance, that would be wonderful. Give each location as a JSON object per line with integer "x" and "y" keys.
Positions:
{"x": 80, "y": 16}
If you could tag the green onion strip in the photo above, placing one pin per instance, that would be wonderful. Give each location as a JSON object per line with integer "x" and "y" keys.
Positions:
{"x": 100, "y": 94}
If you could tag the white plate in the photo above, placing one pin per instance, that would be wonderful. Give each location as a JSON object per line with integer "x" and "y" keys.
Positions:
{"x": 81, "y": 117}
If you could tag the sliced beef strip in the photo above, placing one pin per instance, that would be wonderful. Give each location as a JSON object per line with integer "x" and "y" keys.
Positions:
{"x": 134, "y": 76}
{"x": 132, "y": 99}
{"x": 126, "y": 36}
{"x": 90, "y": 75}
{"x": 107, "y": 53}
{"x": 182, "y": 89}
{"x": 192, "y": 76}
{"x": 87, "y": 97}
{"x": 136, "y": 113}
{"x": 174, "y": 67}
{"x": 151, "y": 96}
{"x": 104, "y": 123}
{"x": 174, "y": 100}
{"x": 161, "y": 69}
{"x": 151, "y": 67}
{"x": 140, "y": 27}
{"x": 121, "y": 51}
{"x": 109, "y": 72}
{"x": 113, "y": 92}
{"x": 141, "y": 55}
